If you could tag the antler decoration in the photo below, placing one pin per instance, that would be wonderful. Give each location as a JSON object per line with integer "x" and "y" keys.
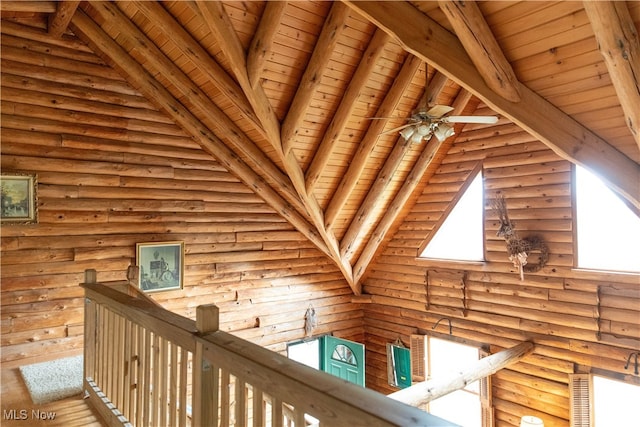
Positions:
{"x": 517, "y": 248}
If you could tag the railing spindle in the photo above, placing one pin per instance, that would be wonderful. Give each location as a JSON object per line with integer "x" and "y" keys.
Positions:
{"x": 146, "y": 395}
{"x": 183, "y": 387}
{"x": 155, "y": 392}
{"x": 126, "y": 403}
{"x": 139, "y": 357}
{"x": 173, "y": 385}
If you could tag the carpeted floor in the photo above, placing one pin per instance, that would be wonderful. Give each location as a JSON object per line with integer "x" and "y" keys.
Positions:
{"x": 53, "y": 380}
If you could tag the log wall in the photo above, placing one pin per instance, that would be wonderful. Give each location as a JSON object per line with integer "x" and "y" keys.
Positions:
{"x": 113, "y": 171}
{"x": 578, "y": 320}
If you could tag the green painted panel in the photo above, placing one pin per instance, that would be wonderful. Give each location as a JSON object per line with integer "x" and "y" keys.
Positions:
{"x": 344, "y": 359}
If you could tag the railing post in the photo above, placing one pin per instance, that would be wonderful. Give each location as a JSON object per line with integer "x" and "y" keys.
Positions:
{"x": 90, "y": 313}
{"x": 90, "y": 276}
{"x": 205, "y": 380}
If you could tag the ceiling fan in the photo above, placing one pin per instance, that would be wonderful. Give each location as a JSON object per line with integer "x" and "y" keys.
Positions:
{"x": 431, "y": 120}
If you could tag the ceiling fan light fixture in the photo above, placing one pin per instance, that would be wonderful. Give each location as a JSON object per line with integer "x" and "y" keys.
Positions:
{"x": 407, "y": 132}
{"x": 443, "y": 131}
{"x": 423, "y": 129}
{"x": 418, "y": 137}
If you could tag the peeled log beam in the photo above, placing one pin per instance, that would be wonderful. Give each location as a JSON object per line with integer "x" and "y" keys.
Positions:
{"x": 425, "y": 392}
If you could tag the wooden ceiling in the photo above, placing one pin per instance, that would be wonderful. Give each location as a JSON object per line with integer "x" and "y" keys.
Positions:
{"x": 283, "y": 93}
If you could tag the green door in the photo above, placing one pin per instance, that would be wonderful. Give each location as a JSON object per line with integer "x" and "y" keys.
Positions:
{"x": 344, "y": 359}
{"x": 401, "y": 362}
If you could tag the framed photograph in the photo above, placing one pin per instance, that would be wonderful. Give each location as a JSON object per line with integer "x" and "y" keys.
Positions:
{"x": 161, "y": 265}
{"x": 18, "y": 201}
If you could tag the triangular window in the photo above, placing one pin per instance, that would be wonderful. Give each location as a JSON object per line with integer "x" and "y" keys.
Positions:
{"x": 461, "y": 235}
{"x": 608, "y": 231}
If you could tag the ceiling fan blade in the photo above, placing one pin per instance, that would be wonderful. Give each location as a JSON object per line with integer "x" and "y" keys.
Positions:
{"x": 471, "y": 119}
{"x": 385, "y": 118}
{"x": 438, "y": 111}
{"x": 399, "y": 128}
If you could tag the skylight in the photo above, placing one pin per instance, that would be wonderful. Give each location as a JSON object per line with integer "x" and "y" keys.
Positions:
{"x": 608, "y": 231}
{"x": 460, "y": 238}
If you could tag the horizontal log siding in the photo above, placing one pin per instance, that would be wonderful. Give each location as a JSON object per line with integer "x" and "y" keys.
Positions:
{"x": 577, "y": 319}
{"x": 113, "y": 171}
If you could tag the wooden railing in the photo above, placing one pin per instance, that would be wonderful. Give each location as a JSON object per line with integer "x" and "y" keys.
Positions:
{"x": 146, "y": 366}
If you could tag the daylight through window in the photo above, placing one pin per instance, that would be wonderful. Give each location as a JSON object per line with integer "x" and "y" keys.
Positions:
{"x": 460, "y": 237}
{"x": 608, "y": 231}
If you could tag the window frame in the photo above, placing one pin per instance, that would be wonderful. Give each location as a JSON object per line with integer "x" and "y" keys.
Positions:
{"x": 420, "y": 351}
{"x": 473, "y": 174}
{"x": 576, "y": 224}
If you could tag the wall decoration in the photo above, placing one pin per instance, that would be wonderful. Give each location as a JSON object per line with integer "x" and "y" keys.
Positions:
{"x": 161, "y": 265}
{"x": 519, "y": 249}
{"x": 18, "y": 203}
{"x": 310, "y": 321}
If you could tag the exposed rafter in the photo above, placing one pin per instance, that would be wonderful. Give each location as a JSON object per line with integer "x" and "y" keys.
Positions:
{"x": 59, "y": 21}
{"x": 409, "y": 186}
{"x": 481, "y": 46}
{"x": 361, "y": 223}
{"x": 220, "y": 25}
{"x": 224, "y": 126}
{"x": 262, "y": 41}
{"x": 390, "y": 102}
{"x": 346, "y": 107}
{"x": 311, "y": 78}
{"x": 191, "y": 49}
{"x": 282, "y": 93}
{"x": 618, "y": 42}
{"x": 83, "y": 26}
{"x": 215, "y": 16}
{"x": 425, "y": 38}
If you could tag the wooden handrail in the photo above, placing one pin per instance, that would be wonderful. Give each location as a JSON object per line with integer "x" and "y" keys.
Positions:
{"x": 232, "y": 380}
{"x": 162, "y": 322}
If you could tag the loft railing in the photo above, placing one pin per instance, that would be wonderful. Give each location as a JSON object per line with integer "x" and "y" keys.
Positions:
{"x": 146, "y": 366}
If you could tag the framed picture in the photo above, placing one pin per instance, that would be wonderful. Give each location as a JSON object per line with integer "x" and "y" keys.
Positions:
{"x": 18, "y": 201}
{"x": 161, "y": 265}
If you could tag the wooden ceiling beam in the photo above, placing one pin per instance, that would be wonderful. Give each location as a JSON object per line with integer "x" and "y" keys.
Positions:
{"x": 167, "y": 68}
{"x": 362, "y": 221}
{"x": 83, "y": 26}
{"x": 370, "y": 139}
{"x": 215, "y": 16}
{"x": 345, "y": 109}
{"x": 363, "y": 218}
{"x": 192, "y": 50}
{"x": 262, "y": 42}
{"x": 481, "y": 46}
{"x": 618, "y": 43}
{"x": 59, "y": 20}
{"x": 424, "y": 392}
{"x": 425, "y": 38}
{"x": 221, "y": 27}
{"x": 28, "y": 6}
{"x": 408, "y": 188}
{"x": 312, "y": 77}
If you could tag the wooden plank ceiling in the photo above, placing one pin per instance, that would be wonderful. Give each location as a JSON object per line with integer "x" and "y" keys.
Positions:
{"x": 283, "y": 93}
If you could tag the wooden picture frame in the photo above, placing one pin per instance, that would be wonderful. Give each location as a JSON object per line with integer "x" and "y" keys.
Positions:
{"x": 161, "y": 266}
{"x": 18, "y": 203}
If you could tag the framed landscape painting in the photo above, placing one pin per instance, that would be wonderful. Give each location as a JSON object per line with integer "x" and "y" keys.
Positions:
{"x": 18, "y": 200}
{"x": 161, "y": 265}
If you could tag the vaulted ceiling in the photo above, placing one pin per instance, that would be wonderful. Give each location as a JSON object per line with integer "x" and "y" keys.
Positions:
{"x": 297, "y": 98}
